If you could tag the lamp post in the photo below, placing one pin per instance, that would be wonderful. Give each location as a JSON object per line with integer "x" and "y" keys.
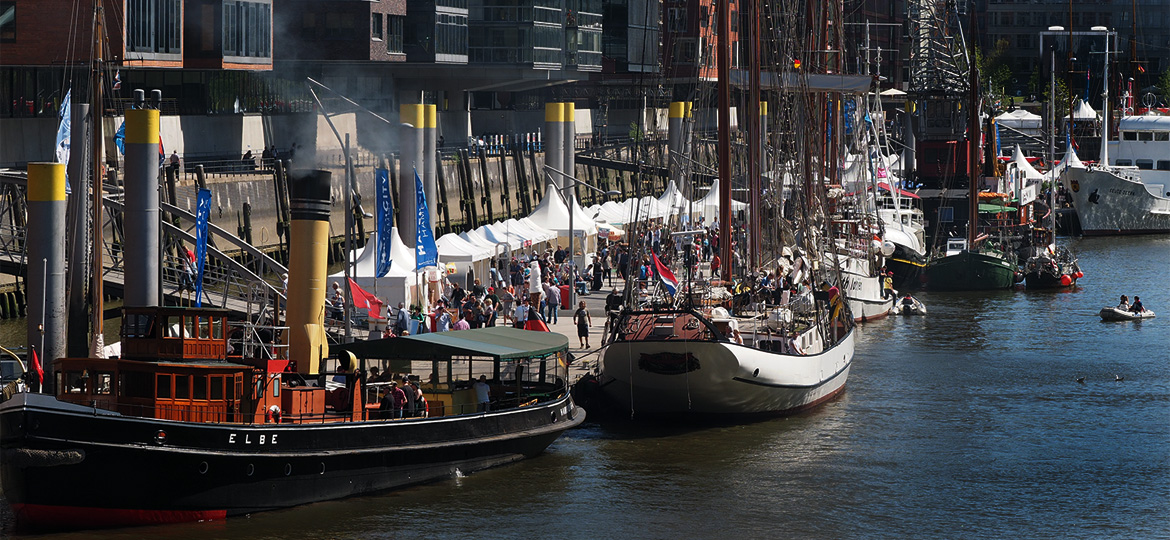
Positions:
{"x": 572, "y": 231}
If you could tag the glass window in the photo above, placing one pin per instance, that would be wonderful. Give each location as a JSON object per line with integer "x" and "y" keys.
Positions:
{"x": 104, "y": 383}
{"x": 1145, "y": 164}
{"x": 376, "y": 26}
{"x": 394, "y": 38}
{"x": 1145, "y": 136}
{"x": 1163, "y": 165}
{"x": 135, "y": 384}
{"x": 182, "y": 387}
{"x": 1162, "y": 136}
{"x": 1123, "y": 163}
{"x": 7, "y": 22}
{"x": 216, "y": 389}
{"x": 1129, "y": 135}
{"x": 74, "y": 383}
{"x": 137, "y": 325}
{"x": 162, "y": 386}
{"x": 199, "y": 387}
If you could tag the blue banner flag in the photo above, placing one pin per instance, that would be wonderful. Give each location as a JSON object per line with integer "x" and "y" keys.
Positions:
{"x": 202, "y": 214}
{"x": 425, "y": 252}
{"x": 385, "y": 220}
{"x": 120, "y": 138}
{"x": 63, "y": 136}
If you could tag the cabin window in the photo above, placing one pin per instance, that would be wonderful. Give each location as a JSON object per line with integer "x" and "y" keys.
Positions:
{"x": 73, "y": 382}
{"x": 163, "y": 386}
{"x": 182, "y": 387}
{"x": 1123, "y": 163}
{"x": 174, "y": 326}
{"x": 1145, "y": 164}
{"x": 103, "y": 383}
{"x": 216, "y": 328}
{"x": 204, "y": 328}
{"x": 1145, "y": 136}
{"x": 1162, "y": 135}
{"x": 216, "y": 389}
{"x": 138, "y": 325}
{"x": 1129, "y": 135}
{"x": 1163, "y": 165}
{"x": 235, "y": 389}
{"x": 135, "y": 384}
{"x": 191, "y": 326}
{"x": 199, "y": 387}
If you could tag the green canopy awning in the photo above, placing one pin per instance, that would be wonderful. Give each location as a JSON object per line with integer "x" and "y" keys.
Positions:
{"x": 994, "y": 208}
{"x": 498, "y": 343}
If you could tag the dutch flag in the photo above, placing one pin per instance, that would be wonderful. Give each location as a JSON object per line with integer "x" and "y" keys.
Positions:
{"x": 667, "y": 277}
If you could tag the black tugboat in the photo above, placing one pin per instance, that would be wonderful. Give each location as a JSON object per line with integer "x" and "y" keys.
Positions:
{"x": 197, "y": 422}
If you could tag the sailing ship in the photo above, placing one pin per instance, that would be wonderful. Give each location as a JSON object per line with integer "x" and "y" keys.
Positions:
{"x": 694, "y": 352}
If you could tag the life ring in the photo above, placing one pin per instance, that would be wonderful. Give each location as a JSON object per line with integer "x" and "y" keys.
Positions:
{"x": 272, "y": 415}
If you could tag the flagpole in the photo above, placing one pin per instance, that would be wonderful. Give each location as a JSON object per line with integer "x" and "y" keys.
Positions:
{"x": 348, "y": 240}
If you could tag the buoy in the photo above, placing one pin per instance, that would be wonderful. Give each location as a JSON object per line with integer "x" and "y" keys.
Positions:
{"x": 1065, "y": 280}
{"x": 1079, "y": 274}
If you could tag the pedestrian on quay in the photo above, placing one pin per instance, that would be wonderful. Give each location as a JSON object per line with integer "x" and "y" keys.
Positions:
{"x": 584, "y": 321}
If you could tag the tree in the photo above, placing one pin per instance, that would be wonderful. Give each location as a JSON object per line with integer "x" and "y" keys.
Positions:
{"x": 1164, "y": 86}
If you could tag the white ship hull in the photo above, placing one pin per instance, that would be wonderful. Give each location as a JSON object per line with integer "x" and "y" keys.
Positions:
{"x": 863, "y": 292}
{"x": 1108, "y": 203}
{"x": 720, "y": 378}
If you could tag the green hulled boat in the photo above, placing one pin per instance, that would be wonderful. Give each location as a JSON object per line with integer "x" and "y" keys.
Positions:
{"x": 967, "y": 270}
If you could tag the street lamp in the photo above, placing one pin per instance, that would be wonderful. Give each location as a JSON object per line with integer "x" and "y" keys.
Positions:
{"x": 572, "y": 232}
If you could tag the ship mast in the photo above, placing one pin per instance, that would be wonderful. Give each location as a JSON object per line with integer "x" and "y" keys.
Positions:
{"x": 723, "y": 59}
{"x": 98, "y": 322}
{"x": 754, "y": 143}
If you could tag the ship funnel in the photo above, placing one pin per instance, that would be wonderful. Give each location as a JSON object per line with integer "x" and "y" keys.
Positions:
{"x": 141, "y": 211}
{"x": 309, "y": 206}
{"x": 46, "y": 262}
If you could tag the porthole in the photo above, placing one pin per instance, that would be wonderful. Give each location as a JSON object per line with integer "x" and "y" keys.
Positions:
{"x": 756, "y": 373}
{"x": 160, "y": 437}
{"x": 251, "y": 469}
{"x": 203, "y": 467}
{"x": 553, "y": 417}
{"x": 287, "y": 469}
{"x": 322, "y": 467}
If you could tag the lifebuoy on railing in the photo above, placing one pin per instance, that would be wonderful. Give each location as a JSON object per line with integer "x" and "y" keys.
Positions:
{"x": 272, "y": 415}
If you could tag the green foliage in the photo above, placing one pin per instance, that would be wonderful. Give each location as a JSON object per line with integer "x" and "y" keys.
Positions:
{"x": 635, "y": 132}
{"x": 994, "y": 68}
{"x": 1164, "y": 86}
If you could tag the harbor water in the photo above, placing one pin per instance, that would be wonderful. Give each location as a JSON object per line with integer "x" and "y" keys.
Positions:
{"x": 968, "y": 423}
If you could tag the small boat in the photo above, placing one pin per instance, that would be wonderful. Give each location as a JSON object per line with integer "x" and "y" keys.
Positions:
{"x": 1115, "y": 314}
{"x": 909, "y": 305}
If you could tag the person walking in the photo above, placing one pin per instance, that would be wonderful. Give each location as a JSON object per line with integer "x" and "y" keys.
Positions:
{"x": 554, "y": 302}
{"x": 584, "y": 321}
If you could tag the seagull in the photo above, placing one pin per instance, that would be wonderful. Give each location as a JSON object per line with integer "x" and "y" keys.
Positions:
{"x": 1118, "y": 378}
{"x": 1081, "y": 380}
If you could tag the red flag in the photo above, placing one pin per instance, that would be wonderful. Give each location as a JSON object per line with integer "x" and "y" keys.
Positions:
{"x": 1141, "y": 68}
{"x": 36, "y": 367}
{"x": 537, "y": 325}
{"x": 363, "y": 299}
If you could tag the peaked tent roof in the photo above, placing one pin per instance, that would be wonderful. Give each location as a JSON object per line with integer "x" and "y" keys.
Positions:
{"x": 1084, "y": 111}
{"x": 710, "y": 203}
{"x": 673, "y": 199}
{"x": 1021, "y": 162}
{"x": 455, "y": 248}
{"x": 553, "y": 214}
{"x": 366, "y": 261}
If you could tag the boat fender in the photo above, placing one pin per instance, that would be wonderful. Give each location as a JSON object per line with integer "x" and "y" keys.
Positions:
{"x": 27, "y": 457}
{"x": 1066, "y": 280}
{"x": 272, "y": 415}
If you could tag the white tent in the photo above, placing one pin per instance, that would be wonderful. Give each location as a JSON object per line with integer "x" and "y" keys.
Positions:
{"x": 553, "y": 214}
{"x": 1020, "y": 120}
{"x": 1070, "y": 160}
{"x": 399, "y": 283}
{"x": 529, "y": 231}
{"x": 614, "y": 212}
{"x": 454, "y": 249}
{"x": 673, "y": 199}
{"x": 710, "y": 204}
{"x": 646, "y": 208}
{"x": 1083, "y": 112}
{"x": 1026, "y": 168}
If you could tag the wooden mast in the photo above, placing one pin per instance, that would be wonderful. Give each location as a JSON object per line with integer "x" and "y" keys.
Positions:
{"x": 754, "y": 142}
{"x": 723, "y": 59}
{"x": 973, "y": 156}
{"x": 96, "y": 112}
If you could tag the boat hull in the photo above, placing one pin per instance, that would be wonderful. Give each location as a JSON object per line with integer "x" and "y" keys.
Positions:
{"x": 722, "y": 378}
{"x": 68, "y": 467}
{"x": 1114, "y": 314}
{"x": 1110, "y": 204}
{"x": 969, "y": 271}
